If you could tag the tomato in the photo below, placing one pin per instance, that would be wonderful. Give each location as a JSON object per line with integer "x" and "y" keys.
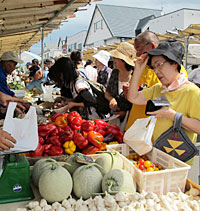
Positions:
{"x": 141, "y": 167}
{"x": 150, "y": 169}
{"x": 147, "y": 163}
{"x": 141, "y": 161}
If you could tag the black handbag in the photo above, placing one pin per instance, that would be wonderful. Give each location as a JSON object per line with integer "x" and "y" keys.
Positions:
{"x": 175, "y": 142}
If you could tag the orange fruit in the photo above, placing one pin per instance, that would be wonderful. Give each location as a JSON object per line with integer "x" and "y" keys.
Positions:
{"x": 147, "y": 163}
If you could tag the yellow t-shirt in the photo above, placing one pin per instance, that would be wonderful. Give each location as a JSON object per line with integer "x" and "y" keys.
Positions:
{"x": 185, "y": 101}
{"x": 148, "y": 77}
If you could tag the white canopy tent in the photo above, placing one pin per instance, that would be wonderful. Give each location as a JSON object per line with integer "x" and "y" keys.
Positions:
{"x": 28, "y": 57}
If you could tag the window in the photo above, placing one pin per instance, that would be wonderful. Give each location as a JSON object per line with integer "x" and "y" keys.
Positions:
{"x": 98, "y": 25}
{"x": 75, "y": 46}
{"x": 80, "y": 46}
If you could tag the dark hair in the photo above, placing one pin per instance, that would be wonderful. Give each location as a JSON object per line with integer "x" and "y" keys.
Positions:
{"x": 88, "y": 62}
{"x": 128, "y": 66}
{"x": 65, "y": 67}
{"x": 76, "y": 57}
{"x": 110, "y": 64}
{"x": 52, "y": 60}
{"x": 35, "y": 61}
{"x": 172, "y": 62}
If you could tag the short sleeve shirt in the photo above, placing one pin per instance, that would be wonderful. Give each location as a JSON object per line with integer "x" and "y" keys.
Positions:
{"x": 3, "y": 83}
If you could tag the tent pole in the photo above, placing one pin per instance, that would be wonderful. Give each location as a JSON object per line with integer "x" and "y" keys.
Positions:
{"x": 186, "y": 51}
{"x": 42, "y": 47}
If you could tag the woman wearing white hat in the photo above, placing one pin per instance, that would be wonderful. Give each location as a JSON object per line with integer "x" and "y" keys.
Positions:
{"x": 104, "y": 72}
{"x": 123, "y": 57}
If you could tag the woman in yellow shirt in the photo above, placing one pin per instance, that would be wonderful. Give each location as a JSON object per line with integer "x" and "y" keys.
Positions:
{"x": 166, "y": 62}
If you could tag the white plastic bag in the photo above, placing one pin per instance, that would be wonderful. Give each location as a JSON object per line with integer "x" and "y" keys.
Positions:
{"x": 47, "y": 93}
{"x": 139, "y": 135}
{"x": 25, "y": 131}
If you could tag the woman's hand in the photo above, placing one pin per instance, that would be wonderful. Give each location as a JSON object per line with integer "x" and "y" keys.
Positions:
{"x": 141, "y": 62}
{"x": 60, "y": 102}
{"x": 164, "y": 112}
{"x": 125, "y": 89}
{"x": 121, "y": 114}
{"x": 113, "y": 105}
{"x": 5, "y": 140}
{"x": 70, "y": 105}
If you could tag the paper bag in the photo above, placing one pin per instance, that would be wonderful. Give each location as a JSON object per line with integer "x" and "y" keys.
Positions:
{"x": 25, "y": 131}
{"x": 139, "y": 135}
{"x": 47, "y": 93}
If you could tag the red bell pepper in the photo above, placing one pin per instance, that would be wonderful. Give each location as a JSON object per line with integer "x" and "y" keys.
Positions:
{"x": 89, "y": 150}
{"x": 114, "y": 129}
{"x": 41, "y": 140}
{"x": 87, "y": 125}
{"x": 99, "y": 130}
{"x": 76, "y": 123}
{"x": 43, "y": 128}
{"x": 95, "y": 138}
{"x": 55, "y": 140}
{"x": 53, "y": 118}
{"x": 72, "y": 115}
{"x": 101, "y": 123}
{"x": 55, "y": 132}
{"x": 55, "y": 150}
{"x": 38, "y": 151}
{"x": 47, "y": 147}
{"x": 67, "y": 135}
{"x": 80, "y": 140}
{"x": 120, "y": 136}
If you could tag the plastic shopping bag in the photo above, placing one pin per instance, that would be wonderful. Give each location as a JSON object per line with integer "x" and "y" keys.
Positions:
{"x": 48, "y": 93}
{"x": 25, "y": 131}
{"x": 139, "y": 135}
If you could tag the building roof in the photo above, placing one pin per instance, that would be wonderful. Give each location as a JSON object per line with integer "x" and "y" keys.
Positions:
{"x": 142, "y": 22}
{"x": 122, "y": 21}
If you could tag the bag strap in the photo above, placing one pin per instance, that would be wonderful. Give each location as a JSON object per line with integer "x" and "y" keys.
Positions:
{"x": 177, "y": 122}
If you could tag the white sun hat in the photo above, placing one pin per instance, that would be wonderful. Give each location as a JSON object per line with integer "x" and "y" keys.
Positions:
{"x": 103, "y": 57}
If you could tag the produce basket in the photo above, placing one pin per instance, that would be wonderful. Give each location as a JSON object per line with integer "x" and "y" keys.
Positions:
{"x": 171, "y": 179}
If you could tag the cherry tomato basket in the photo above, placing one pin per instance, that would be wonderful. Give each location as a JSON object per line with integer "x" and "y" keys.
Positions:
{"x": 171, "y": 179}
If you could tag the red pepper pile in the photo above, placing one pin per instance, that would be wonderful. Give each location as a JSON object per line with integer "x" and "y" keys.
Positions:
{"x": 88, "y": 136}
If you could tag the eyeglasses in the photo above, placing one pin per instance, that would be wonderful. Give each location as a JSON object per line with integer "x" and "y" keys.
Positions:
{"x": 157, "y": 66}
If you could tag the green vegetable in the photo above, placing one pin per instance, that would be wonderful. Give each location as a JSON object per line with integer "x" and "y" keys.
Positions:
{"x": 118, "y": 180}
{"x": 87, "y": 181}
{"x": 73, "y": 163}
{"x": 109, "y": 160}
{"x": 55, "y": 184}
{"x": 39, "y": 167}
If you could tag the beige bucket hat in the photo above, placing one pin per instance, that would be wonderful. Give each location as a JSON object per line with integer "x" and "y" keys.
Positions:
{"x": 10, "y": 56}
{"x": 126, "y": 52}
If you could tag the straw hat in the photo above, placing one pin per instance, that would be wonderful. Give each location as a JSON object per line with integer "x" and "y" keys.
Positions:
{"x": 126, "y": 52}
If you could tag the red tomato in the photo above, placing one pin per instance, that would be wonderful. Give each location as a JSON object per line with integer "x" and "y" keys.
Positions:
{"x": 141, "y": 167}
{"x": 141, "y": 161}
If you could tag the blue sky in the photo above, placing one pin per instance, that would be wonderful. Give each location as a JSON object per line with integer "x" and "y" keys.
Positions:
{"x": 83, "y": 18}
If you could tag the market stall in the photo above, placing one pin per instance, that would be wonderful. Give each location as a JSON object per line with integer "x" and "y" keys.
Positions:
{"x": 77, "y": 165}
